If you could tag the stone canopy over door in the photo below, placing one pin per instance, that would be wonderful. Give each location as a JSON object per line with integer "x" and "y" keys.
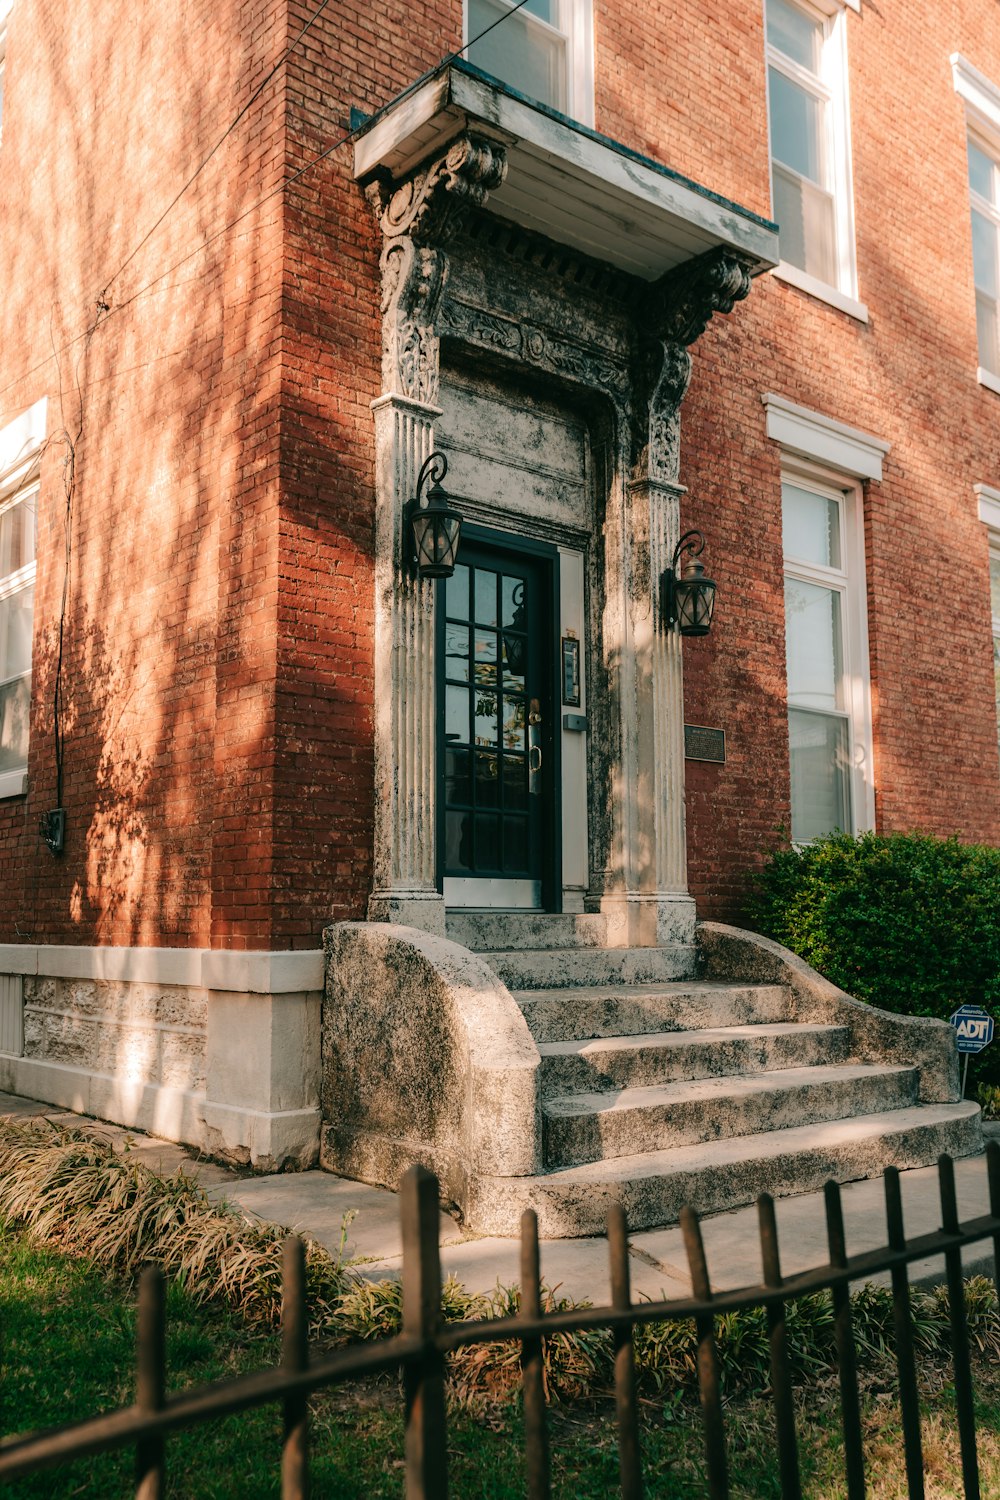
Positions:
{"x": 553, "y": 382}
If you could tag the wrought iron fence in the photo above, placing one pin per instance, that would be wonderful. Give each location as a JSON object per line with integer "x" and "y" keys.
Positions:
{"x": 420, "y": 1352}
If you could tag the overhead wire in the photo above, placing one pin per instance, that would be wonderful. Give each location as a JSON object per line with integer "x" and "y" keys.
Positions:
{"x": 106, "y": 311}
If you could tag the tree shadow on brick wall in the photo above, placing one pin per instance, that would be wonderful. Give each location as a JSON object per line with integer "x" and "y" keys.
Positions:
{"x": 158, "y": 405}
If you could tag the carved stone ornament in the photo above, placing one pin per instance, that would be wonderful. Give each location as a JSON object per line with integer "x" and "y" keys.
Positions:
{"x": 417, "y": 219}
{"x": 662, "y": 376}
{"x": 426, "y": 207}
{"x": 682, "y": 307}
{"x": 689, "y": 296}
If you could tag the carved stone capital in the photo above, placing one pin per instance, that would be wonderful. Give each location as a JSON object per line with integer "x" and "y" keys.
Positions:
{"x": 677, "y": 313}
{"x": 426, "y": 207}
{"x": 688, "y": 296}
{"x": 662, "y": 374}
{"x": 417, "y": 219}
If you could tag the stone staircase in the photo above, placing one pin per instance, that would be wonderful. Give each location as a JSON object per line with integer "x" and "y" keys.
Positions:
{"x": 660, "y": 1089}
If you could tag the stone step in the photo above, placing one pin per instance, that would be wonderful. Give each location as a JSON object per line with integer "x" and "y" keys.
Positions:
{"x": 488, "y": 931}
{"x": 591, "y": 1127}
{"x": 563, "y": 968}
{"x": 675, "y": 1056}
{"x": 583, "y": 1012}
{"x": 654, "y": 1186}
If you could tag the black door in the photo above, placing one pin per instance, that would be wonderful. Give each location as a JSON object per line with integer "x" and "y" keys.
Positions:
{"x": 498, "y": 778}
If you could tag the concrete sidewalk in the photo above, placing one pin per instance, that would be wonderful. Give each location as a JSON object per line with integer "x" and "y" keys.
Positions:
{"x": 322, "y": 1205}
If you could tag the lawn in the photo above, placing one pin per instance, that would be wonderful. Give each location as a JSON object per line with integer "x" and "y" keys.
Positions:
{"x": 67, "y": 1350}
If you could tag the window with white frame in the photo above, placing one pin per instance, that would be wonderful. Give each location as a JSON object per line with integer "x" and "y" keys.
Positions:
{"x": 826, "y": 654}
{"x": 995, "y": 606}
{"x": 824, "y": 462}
{"x": 984, "y": 194}
{"x": 543, "y": 49}
{"x": 20, "y": 444}
{"x": 981, "y": 97}
{"x": 989, "y": 514}
{"x": 810, "y": 145}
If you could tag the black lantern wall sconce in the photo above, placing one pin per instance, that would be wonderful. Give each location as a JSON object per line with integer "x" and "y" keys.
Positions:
{"x": 689, "y": 600}
{"x": 434, "y": 527}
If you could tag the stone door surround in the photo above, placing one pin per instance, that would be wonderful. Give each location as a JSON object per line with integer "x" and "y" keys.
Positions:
{"x": 621, "y": 345}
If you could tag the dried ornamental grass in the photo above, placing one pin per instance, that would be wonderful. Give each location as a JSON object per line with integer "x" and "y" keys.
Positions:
{"x": 68, "y": 1189}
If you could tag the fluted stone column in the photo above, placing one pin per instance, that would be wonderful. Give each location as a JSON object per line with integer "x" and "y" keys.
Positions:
{"x": 417, "y": 219}
{"x": 646, "y": 896}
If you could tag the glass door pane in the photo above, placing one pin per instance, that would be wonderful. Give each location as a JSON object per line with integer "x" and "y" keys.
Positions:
{"x": 498, "y": 789}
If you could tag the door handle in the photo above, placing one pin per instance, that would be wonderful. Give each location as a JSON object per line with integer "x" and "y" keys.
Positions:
{"x": 534, "y": 747}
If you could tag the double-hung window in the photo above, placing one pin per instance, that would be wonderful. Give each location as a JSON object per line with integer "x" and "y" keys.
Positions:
{"x": 20, "y": 443}
{"x": 981, "y": 97}
{"x": 995, "y": 605}
{"x": 810, "y": 151}
{"x": 826, "y": 657}
{"x": 17, "y": 598}
{"x": 984, "y": 192}
{"x": 543, "y": 49}
{"x": 989, "y": 512}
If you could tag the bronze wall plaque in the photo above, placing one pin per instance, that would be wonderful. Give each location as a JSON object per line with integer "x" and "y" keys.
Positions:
{"x": 704, "y": 744}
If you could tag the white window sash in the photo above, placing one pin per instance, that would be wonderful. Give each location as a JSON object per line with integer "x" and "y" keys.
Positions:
{"x": 850, "y": 582}
{"x": 833, "y": 82}
{"x": 576, "y": 30}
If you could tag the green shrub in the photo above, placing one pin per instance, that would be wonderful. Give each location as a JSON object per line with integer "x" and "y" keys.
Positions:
{"x": 904, "y": 921}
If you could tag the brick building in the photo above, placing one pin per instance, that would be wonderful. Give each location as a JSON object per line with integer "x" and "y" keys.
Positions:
{"x": 260, "y": 259}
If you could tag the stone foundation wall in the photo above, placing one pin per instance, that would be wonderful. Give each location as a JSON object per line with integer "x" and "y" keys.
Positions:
{"x": 218, "y": 1050}
{"x": 154, "y": 1034}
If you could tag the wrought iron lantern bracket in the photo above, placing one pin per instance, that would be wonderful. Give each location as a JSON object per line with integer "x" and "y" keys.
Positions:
{"x": 432, "y": 527}
{"x": 687, "y": 601}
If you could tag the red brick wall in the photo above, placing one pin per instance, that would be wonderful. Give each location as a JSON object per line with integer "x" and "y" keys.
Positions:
{"x": 908, "y": 377}
{"x": 169, "y": 400}
{"x": 219, "y": 636}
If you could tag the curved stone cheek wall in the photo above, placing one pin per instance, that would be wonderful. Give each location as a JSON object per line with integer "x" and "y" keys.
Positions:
{"x": 525, "y": 310}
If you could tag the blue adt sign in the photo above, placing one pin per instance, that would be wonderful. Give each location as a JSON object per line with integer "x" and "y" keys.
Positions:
{"x": 973, "y": 1028}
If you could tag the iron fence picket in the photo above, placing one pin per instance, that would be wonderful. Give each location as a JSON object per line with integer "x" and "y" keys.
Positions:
{"x": 626, "y": 1404}
{"x": 294, "y": 1357}
{"x": 847, "y": 1366}
{"x": 151, "y": 1382}
{"x": 906, "y": 1367}
{"x": 420, "y": 1351}
{"x": 709, "y": 1375}
{"x": 781, "y": 1375}
{"x": 423, "y": 1380}
{"x": 536, "y": 1438}
{"x": 961, "y": 1364}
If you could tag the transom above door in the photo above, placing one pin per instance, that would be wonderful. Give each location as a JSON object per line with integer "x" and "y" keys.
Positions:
{"x": 498, "y": 780}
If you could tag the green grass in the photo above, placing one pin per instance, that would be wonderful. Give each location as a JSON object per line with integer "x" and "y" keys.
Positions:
{"x": 67, "y": 1350}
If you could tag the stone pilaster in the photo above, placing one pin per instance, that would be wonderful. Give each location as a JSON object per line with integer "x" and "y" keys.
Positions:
{"x": 417, "y": 219}
{"x": 647, "y": 897}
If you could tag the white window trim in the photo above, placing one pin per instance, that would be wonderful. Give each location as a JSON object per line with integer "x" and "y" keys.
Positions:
{"x": 981, "y": 98}
{"x": 20, "y": 450}
{"x": 989, "y": 514}
{"x": 822, "y": 439}
{"x": 978, "y": 93}
{"x": 989, "y": 505}
{"x": 851, "y": 583}
{"x": 577, "y": 26}
{"x": 844, "y": 295}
